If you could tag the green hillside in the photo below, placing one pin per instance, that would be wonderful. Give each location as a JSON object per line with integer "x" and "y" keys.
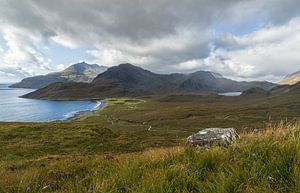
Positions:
{"x": 138, "y": 145}
{"x": 259, "y": 162}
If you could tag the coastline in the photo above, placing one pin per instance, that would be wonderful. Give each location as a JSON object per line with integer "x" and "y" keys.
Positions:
{"x": 81, "y": 114}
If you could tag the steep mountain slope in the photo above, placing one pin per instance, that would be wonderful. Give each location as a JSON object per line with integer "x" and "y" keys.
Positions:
{"x": 133, "y": 77}
{"x": 291, "y": 79}
{"x": 130, "y": 80}
{"x": 283, "y": 89}
{"x": 80, "y": 72}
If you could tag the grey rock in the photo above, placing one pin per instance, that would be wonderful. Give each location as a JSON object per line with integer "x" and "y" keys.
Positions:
{"x": 213, "y": 136}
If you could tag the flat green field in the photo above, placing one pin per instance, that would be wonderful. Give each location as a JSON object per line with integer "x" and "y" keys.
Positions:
{"x": 68, "y": 156}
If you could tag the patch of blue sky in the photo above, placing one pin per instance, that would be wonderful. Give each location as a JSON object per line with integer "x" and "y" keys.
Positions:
{"x": 60, "y": 54}
{"x": 240, "y": 29}
{"x": 3, "y": 42}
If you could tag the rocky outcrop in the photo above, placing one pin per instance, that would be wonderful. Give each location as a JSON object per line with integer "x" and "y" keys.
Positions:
{"x": 213, "y": 136}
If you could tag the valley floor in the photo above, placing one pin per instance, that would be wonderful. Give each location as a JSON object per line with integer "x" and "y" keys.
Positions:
{"x": 138, "y": 145}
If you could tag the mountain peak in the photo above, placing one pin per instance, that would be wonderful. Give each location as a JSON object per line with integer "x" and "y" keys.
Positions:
{"x": 129, "y": 66}
{"x": 125, "y": 72}
{"x": 82, "y": 64}
{"x": 126, "y": 68}
{"x": 79, "y": 72}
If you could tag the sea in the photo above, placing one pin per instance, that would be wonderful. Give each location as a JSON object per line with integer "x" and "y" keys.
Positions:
{"x": 16, "y": 109}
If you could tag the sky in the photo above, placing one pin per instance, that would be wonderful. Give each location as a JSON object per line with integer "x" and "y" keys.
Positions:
{"x": 240, "y": 39}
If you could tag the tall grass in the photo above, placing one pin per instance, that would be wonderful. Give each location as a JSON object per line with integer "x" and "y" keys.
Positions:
{"x": 261, "y": 161}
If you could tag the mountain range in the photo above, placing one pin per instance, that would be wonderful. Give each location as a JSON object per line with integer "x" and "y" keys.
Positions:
{"x": 132, "y": 81}
{"x": 80, "y": 72}
{"x": 291, "y": 79}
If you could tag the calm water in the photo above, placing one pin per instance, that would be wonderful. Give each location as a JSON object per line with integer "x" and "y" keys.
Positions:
{"x": 230, "y": 94}
{"x": 13, "y": 108}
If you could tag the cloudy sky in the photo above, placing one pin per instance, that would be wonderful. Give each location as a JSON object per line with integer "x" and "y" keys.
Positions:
{"x": 241, "y": 39}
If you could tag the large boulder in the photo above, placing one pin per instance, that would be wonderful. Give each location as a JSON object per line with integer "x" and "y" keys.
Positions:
{"x": 213, "y": 136}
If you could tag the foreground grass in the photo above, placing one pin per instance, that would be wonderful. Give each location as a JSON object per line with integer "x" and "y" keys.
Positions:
{"x": 267, "y": 161}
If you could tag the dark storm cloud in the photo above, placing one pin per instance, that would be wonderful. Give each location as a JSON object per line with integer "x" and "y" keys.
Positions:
{"x": 162, "y": 35}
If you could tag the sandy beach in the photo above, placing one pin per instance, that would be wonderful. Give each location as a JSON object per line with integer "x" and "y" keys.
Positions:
{"x": 80, "y": 114}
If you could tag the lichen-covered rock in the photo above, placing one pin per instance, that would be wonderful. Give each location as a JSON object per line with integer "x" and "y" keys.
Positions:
{"x": 213, "y": 136}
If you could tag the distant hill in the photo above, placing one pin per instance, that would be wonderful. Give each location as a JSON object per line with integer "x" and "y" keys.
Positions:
{"x": 279, "y": 90}
{"x": 208, "y": 81}
{"x": 283, "y": 89}
{"x": 80, "y": 72}
{"x": 291, "y": 79}
{"x": 131, "y": 81}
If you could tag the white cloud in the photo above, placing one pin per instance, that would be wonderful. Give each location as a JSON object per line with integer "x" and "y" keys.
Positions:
{"x": 65, "y": 41}
{"x": 111, "y": 57}
{"x": 22, "y": 53}
{"x": 268, "y": 53}
{"x": 161, "y": 35}
{"x": 60, "y": 67}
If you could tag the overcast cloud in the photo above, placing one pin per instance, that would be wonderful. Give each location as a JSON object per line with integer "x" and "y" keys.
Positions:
{"x": 241, "y": 39}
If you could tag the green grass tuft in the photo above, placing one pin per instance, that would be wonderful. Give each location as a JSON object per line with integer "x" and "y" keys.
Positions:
{"x": 259, "y": 162}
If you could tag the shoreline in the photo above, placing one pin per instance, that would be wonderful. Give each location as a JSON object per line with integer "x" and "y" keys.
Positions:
{"x": 81, "y": 114}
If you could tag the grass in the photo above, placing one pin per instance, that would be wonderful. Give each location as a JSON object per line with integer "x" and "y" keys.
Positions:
{"x": 267, "y": 161}
{"x": 130, "y": 125}
{"x": 146, "y": 139}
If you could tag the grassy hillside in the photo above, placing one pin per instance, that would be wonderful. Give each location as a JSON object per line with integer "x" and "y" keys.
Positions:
{"x": 137, "y": 145}
{"x": 129, "y": 125}
{"x": 267, "y": 161}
